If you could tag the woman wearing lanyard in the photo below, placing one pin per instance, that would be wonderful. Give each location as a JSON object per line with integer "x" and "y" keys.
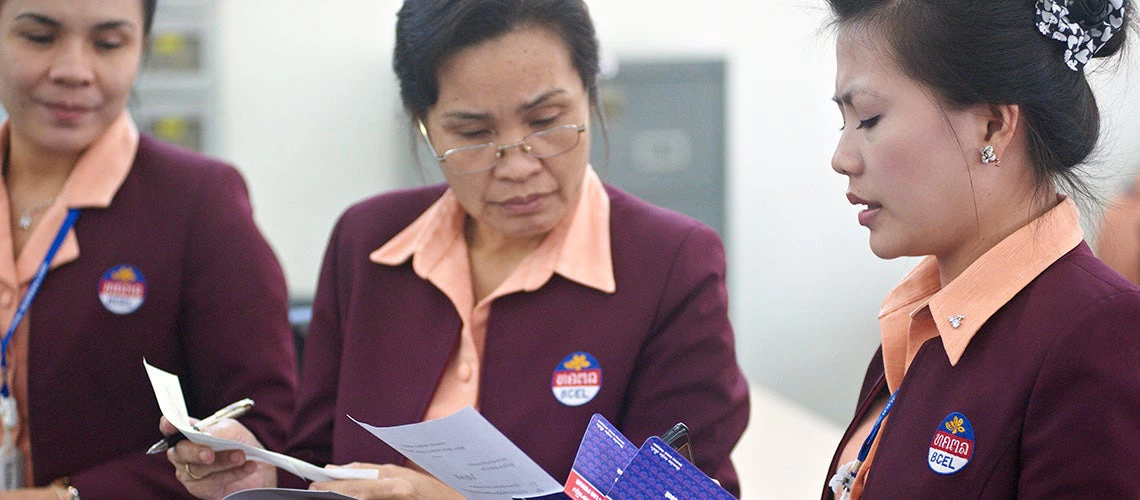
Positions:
{"x": 1009, "y": 359}
{"x": 525, "y": 287}
{"x": 156, "y": 256}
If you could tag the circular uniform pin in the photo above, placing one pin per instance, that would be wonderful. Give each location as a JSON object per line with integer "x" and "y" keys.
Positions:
{"x": 577, "y": 379}
{"x": 952, "y": 446}
{"x": 122, "y": 289}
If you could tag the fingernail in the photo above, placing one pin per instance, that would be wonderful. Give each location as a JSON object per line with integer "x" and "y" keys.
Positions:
{"x": 203, "y": 455}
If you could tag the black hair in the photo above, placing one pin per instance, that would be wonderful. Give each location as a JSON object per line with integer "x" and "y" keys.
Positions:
{"x": 149, "y": 6}
{"x": 971, "y": 52}
{"x": 428, "y": 31}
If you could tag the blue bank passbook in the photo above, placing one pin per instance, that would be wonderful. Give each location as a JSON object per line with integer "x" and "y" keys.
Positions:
{"x": 609, "y": 467}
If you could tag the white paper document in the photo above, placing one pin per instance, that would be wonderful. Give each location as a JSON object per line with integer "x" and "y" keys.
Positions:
{"x": 168, "y": 391}
{"x": 469, "y": 454}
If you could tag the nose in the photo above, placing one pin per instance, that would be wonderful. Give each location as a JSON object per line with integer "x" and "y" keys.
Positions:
{"x": 72, "y": 65}
{"x": 846, "y": 159}
{"x": 516, "y": 163}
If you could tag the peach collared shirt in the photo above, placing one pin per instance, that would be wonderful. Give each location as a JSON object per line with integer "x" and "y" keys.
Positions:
{"x": 577, "y": 248}
{"x": 919, "y": 308}
{"x": 93, "y": 182}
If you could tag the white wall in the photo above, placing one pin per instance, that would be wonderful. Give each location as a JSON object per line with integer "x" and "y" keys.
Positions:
{"x": 309, "y": 111}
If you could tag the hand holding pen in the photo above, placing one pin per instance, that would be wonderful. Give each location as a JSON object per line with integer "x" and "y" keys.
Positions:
{"x": 233, "y": 410}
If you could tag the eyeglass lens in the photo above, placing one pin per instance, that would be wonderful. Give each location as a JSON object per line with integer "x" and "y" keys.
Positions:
{"x": 541, "y": 144}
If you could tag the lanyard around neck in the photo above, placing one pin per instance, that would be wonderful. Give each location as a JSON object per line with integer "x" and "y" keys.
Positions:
{"x": 866, "y": 448}
{"x": 29, "y": 295}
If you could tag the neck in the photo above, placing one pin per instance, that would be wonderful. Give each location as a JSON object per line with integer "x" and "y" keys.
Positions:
{"x": 35, "y": 174}
{"x": 991, "y": 231}
{"x": 496, "y": 245}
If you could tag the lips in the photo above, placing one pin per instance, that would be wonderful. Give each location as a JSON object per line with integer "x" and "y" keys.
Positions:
{"x": 66, "y": 111}
{"x": 521, "y": 205}
{"x": 867, "y": 215}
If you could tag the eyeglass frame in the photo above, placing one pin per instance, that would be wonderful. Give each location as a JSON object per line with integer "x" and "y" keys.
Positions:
{"x": 521, "y": 144}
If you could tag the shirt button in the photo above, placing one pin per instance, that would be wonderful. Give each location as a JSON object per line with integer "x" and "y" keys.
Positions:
{"x": 465, "y": 372}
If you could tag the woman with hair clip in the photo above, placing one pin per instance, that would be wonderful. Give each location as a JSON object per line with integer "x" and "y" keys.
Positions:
{"x": 523, "y": 267}
{"x": 1009, "y": 357}
{"x": 117, "y": 247}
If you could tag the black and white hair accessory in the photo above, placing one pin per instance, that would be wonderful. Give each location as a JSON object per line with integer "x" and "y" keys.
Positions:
{"x": 1085, "y": 26}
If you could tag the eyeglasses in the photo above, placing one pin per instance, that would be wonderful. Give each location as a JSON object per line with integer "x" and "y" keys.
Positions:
{"x": 483, "y": 157}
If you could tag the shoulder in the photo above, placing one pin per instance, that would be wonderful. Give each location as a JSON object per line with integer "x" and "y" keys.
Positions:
{"x": 662, "y": 256}
{"x": 375, "y": 220}
{"x": 1080, "y": 303}
{"x": 1079, "y": 281}
{"x": 653, "y": 239}
{"x": 161, "y": 163}
{"x": 636, "y": 222}
{"x": 156, "y": 154}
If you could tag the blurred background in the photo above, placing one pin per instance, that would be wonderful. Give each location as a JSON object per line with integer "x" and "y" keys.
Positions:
{"x": 720, "y": 109}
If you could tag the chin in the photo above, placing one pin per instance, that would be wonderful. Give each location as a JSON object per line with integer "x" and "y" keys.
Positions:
{"x": 528, "y": 226}
{"x": 527, "y": 231}
{"x": 886, "y": 250}
{"x": 72, "y": 141}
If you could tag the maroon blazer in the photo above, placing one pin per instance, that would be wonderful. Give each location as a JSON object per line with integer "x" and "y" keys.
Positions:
{"x": 1050, "y": 386}
{"x": 381, "y": 337}
{"x": 215, "y": 313}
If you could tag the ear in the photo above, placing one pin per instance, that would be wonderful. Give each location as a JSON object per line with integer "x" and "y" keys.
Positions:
{"x": 1001, "y": 124}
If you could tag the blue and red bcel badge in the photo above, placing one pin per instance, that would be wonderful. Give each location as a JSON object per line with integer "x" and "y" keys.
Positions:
{"x": 952, "y": 446}
{"x": 122, "y": 289}
{"x": 577, "y": 379}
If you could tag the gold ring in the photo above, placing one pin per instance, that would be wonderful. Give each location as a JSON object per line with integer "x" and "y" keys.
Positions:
{"x": 191, "y": 474}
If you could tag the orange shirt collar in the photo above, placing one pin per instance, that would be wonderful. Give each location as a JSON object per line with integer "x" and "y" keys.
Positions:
{"x": 97, "y": 176}
{"x": 987, "y": 285}
{"x": 578, "y": 248}
{"x": 101, "y": 169}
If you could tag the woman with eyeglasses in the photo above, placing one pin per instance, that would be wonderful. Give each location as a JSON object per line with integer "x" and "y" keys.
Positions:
{"x": 524, "y": 287}
{"x": 116, "y": 247}
{"x": 1009, "y": 365}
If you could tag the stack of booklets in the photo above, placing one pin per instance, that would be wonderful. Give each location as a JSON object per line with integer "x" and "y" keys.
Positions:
{"x": 609, "y": 466}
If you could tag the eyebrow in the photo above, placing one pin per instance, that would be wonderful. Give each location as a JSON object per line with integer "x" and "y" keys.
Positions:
{"x": 527, "y": 106}
{"x": 39, "y": 18}
{"x": 103, "y": 26}
{"x": 848, "y": 96}
{"x": 537, "y": 101}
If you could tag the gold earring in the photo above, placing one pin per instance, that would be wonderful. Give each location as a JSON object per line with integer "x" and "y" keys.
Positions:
{"x": 989, "y": 156}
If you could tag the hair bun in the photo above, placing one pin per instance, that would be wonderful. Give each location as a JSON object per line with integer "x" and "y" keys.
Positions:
{"x": 1089, "y": 13}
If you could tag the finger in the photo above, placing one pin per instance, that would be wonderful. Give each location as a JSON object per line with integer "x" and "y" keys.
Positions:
{"x": 186, "y": 452}
{"x": 225, "y": 461}
{"x": 165, "y": 427}
{"x": 211, "y": 474}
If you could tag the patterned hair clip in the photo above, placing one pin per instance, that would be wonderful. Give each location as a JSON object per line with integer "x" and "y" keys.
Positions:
{"x": 1058, "y": 20}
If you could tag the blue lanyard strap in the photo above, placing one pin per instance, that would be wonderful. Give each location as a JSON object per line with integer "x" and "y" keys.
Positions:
{"x": 866, "y": 448}
{"x": 33, "y": 287}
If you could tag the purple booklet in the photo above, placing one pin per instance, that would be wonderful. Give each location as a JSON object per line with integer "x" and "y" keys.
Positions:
{"x": 609, "y": 467}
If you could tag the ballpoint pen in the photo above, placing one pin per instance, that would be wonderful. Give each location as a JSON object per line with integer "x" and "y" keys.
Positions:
{"x": 233, "y": 410}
